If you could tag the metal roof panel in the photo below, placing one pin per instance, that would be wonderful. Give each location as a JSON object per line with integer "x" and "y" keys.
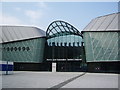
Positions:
{"x": 98, "y": 24}
{"x": 114, "y": 24}
{"x": 15, "y": 33}
{"x": 109, "y": 22}
{"x": 109, "y": 19}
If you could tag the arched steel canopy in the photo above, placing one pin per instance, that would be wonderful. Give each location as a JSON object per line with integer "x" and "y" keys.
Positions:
{"x": 61, "y": 28}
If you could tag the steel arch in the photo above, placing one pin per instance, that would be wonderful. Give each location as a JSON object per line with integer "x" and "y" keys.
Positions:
{"x": 61, "y": 28}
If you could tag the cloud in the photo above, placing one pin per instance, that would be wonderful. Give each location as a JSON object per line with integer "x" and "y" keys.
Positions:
{"x": 18, "y": 9}
{"x": 33, "y": 15}
{"x": 42, "y": 5}
{"x": 9, "y": 20}
{"x": 30, "y": 16}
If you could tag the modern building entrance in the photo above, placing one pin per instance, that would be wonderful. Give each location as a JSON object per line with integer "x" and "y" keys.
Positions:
{"x": 64, "y": 46}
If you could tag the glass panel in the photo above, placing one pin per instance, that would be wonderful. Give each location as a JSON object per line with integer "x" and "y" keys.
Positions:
{"x": 64, "y": 24}
{"x": 58, "y": 29}
{"x": 66, "y": 29}
{"x": 101, "y": 46}
{"x": 62, "y": 28}
{"x": 54, "y": 31}
{"x": 58, "y": 23}
{"x": 33, "y": 51}
{"x": 88, "y": 47}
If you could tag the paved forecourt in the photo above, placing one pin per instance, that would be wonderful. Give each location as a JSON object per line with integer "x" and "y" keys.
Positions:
{"x": 59, "y": 80}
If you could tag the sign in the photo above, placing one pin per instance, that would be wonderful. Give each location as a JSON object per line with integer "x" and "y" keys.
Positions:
{"x": 53, "y": 67}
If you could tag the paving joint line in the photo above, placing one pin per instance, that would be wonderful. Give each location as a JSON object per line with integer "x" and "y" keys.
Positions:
{"x": 56, "y": 87}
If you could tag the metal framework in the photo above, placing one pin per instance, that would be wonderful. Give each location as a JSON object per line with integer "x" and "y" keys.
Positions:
{"x": 61, "y": 28}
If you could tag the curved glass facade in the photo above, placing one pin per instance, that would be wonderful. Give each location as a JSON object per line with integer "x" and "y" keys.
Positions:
{"x": 102, "y": 46}
{"x": 63, "y": 41}
{"x": 64, "y": 47}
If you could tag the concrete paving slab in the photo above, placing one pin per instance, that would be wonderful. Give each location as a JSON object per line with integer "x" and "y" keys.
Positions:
{"x": 35, "y": 79}
{"x": 94, "y": 80}
{"x": 59, "y": 80}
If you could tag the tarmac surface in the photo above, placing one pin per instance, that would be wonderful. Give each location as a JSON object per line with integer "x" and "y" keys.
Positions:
{"x": 24, "y": 79}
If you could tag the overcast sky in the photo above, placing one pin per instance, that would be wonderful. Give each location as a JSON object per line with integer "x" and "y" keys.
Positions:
{"x": 41, "y": 14}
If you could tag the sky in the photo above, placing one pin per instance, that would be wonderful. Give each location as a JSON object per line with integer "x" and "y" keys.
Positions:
{"x": 41, "y": 14}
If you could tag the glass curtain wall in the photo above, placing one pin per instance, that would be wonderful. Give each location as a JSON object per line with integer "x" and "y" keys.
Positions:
{"x": 64, "y": 47}
{"x": 24, "y": 51}
{"x": 102, "y": 46}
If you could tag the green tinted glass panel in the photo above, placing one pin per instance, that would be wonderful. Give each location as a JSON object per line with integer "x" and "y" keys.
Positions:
{"x": 102, "y": 46}
{"x": 24, "y": 51}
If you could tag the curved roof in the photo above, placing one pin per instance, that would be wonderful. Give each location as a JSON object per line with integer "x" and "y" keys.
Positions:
{"x": 60, "y": 28}
{"x": 16, "y": 33}
{"x": 109, "y": 22}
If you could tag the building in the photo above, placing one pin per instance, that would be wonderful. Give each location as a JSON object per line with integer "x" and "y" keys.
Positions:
{"x": 24, "y": 46}
{"x": 64, "y": 46}
{"x": 30, "y": 48}
{"x": 102, "y": 44}
{"x": 95, "y": 49}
